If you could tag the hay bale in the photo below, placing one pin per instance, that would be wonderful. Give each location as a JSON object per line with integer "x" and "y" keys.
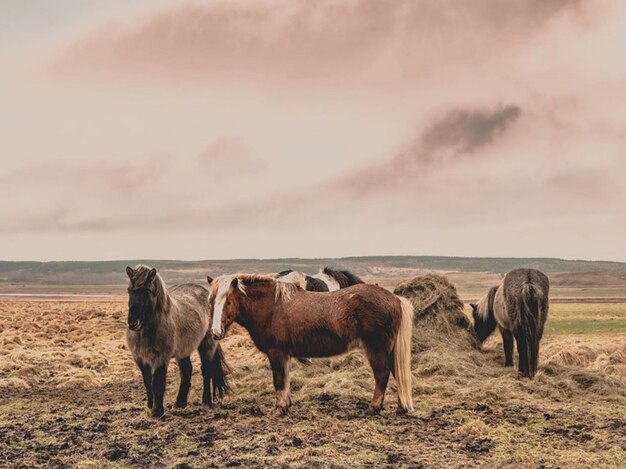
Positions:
{"x": 439, "y": 320}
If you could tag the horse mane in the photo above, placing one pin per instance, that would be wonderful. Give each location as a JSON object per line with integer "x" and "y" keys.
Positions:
{"x": 344, "y": 278}
{"x": 485, "y": 305}
{"x": 292, "y": 276}
{"x": 140, "y": 280}
{"x": 284, "y": 291}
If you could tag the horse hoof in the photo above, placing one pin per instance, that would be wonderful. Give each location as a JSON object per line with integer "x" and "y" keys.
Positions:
{"x": 402, "y": 411}
{"x": 158, "y": 413}
{"x": 207, "y": 405}
{"x": 181, "y": 404}
{"x": 281, "y": 411}
{"x": 371, "y": 410}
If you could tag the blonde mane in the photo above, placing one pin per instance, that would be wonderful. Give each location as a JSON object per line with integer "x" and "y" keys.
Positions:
{"x": 284, "y": 291}
{"x": 485, "y": 305}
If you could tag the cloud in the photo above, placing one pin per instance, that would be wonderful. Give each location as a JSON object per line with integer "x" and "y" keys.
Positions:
{"x": 459, "y": 133}
{"x": 123, "y": 179}
{"x": 466, "y": 130}
{"x": 312, "y": 41}
{"x": 227, "y": 155}
{"x": 87, "y": 195}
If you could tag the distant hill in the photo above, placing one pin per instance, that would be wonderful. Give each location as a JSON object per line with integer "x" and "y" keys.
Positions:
{"x": 112, "y": 272}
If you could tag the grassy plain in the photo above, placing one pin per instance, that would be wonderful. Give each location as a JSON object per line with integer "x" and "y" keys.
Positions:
{"x": 71, "y": 397}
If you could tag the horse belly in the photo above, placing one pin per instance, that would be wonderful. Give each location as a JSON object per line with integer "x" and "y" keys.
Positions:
{"x": 190, "y": 332}
{"x": 321, "y": 344}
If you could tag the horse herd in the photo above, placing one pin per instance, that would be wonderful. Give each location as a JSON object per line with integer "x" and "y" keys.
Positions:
{"x": 294, "y": 315}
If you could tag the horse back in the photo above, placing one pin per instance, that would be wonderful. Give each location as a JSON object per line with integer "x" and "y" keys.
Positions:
{"x": 337, "y": 321}
{"x": 510, "y": 297}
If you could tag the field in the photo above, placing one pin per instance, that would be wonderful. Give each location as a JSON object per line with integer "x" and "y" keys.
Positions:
{"x": 70, "y": 396}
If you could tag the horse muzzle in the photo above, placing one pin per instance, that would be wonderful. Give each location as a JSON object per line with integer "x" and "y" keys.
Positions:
{"x": 217, "y": 335}
{"x": 135, "y": 326}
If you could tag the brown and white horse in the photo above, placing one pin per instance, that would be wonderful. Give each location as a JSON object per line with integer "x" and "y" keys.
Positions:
{"x": 286, "y": 321}
{"x": 326, "y": 279}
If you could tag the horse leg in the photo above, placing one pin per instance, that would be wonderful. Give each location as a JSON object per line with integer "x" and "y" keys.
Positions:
{"x": 522, "y": 351}
{"x": 391, "y": 363}
{"x": 185, "y": 368}
{"x": 207, "y": 351}
{"x": 380, "y": 367}
{"x": 279, "y": 362}
{"x": 158, "y": 387}
{"x": 147, "y": 382}
{"x": 507, "y": 343}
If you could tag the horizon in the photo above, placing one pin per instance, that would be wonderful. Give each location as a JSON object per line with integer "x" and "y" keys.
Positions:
{"x": 312, "y": 129}
{"x": 316, "y": 258}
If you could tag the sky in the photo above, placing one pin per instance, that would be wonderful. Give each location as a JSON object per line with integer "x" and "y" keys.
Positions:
{"x": 306, "y": 128}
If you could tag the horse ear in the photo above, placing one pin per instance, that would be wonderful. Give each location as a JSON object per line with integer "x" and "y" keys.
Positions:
{"x": 209, "y": 279}
{"x": 235, "y": 282}
{"x": 474, "y": 306}
{"x": 130, "y": 272}
{"x": 151, "y": 275}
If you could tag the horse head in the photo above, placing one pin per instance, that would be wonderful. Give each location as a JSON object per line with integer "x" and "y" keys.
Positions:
{"x": 142, "y": 296}
{"x": 224, "y": 302}
{"x": 482, "y": 313}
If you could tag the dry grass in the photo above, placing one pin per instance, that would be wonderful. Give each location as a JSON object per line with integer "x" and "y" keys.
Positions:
{"x": 70, "y": 396}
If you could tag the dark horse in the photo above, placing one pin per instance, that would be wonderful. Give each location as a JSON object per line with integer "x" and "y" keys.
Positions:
{"x": 519, "y": 307}
{"x": 165, "y": 324}
{"x": 326, "y": 279}
{"x": 286, "y": 321}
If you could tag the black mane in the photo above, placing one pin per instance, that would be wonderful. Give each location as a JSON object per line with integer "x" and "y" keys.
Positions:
{"x": 345, "y": 278}
{"x": 283, "y": 273}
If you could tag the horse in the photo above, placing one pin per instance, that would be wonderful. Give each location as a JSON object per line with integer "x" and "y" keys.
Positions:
{"x": 519, "y": 308}
{"x": 325, "y": 280}
{"x": 171, "y": 323}
{"x": 286, "y": 321}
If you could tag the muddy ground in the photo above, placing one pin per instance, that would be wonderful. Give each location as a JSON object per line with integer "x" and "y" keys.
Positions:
{"x": 91, "y": 413}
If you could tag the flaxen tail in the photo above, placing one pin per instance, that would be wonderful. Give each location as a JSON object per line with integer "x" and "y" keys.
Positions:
{"x": 528, "y": 329}
{"x": 219, "y": 373}
{"x": 402, "y": 357}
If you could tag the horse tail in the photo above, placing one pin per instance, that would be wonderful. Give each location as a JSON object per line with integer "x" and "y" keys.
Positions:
{"x": 528, "y": 330}
{"x": 402, "y": 356}
{"x": 219, "y": 373}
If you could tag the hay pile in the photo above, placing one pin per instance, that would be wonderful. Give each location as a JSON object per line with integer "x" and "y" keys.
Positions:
{"x": 439, "y": 320}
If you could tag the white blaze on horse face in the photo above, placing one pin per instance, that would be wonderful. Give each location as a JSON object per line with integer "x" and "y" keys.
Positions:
{"x": 223, "y": 288}
{"x": 216, "y": 327}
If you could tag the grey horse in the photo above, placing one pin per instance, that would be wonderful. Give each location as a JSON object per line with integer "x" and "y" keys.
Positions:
{"x": 171, "y": 323}
{"x": 519, "y": 307}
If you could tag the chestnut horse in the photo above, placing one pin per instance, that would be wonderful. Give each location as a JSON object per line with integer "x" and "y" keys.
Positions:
{"x": 286, "y": 321}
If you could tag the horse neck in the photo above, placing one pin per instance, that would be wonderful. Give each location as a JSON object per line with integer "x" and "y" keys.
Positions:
{"x": 256, "y": 312}
{"x": 164, "y": 300}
